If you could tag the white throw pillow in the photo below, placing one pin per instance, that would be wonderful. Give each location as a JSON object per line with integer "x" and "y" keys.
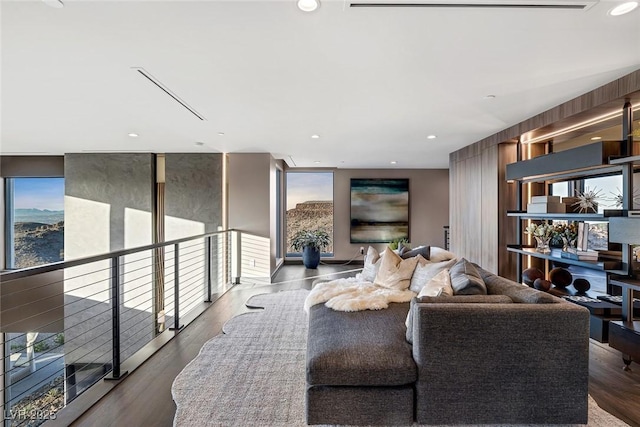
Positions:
{"x": 395, "y": 272}
{"x": 439, "y": 285}
{"x": 427, "y": 270}
{"x": 438, "y": 254}
{"x": 371, "y": 265}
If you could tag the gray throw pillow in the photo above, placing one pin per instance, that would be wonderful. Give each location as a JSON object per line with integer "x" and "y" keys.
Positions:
{"x": 466, "y": 280}
{"x": 420, "y": 250}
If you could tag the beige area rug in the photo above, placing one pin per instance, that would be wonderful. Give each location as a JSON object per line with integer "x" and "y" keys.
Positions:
{"x": 254, "y": 374}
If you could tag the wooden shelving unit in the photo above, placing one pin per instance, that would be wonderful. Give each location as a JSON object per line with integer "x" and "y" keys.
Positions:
{"x": 593, "y": 160}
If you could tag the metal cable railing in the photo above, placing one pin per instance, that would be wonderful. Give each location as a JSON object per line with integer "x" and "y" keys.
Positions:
{"x": 67, "y": 325}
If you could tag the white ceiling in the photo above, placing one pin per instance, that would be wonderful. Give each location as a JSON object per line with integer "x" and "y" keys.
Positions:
{"x": 372, "y": 82}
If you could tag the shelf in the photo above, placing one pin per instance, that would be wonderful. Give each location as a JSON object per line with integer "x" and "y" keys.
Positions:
{"x": 586, "y": 160}
{"x": 624, "y": 160}
{"x": 555, "y": 256}
{"x": 559, "y": 216}
{"x": 624, "y": 282}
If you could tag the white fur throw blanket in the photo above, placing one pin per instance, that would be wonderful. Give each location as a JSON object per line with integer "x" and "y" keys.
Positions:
{"x": 353, "y": 294}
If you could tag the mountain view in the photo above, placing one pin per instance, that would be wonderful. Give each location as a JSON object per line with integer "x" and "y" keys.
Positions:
{"x": 39, "y": 237}
{"x": 310, "y": 215}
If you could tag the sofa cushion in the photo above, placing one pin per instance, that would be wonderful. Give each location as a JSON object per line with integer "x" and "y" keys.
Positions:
{"x": 395, "y": 272}
{"x": 425, "y": 271}
{"x": 519, "y": 293}
{"x": 365, "y": 348}
{"x": 452, "y": 299}
{"x": 466, "y": 280}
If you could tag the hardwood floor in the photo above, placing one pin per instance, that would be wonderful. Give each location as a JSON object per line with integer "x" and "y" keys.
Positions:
{"x": 144, "y": 398}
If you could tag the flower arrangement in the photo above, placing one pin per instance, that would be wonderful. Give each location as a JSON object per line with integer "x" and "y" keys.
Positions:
{"x": 564, "y": 234}
{"x": 542, "y": 233}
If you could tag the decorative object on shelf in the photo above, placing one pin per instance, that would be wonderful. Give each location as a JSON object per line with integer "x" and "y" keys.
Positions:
{"x": 560, "y": 277}
{"x": 530, "y": 275}
{"x": 587, "y": 200}
{"x": 565, "y": 235}
{"x": 310, "y": 243}
{"x": 542, "y": 285}
{"x": 542, "y": 233}
{"x": 617, "y": 198}
{"x": 581, "y": 285}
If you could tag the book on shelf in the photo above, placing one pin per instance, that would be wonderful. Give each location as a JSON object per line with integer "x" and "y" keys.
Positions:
{"x": 581, "y": 255}
{"x": 545, "y": 199}
{"x": 582, "y": 241}
{"x": 546, "y": 207}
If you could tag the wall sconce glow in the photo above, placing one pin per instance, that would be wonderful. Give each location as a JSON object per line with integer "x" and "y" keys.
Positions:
{"x": 315, "y": 136}
{"x": 431, "y": 137}
{"x": 308, "y": 5}
{"x": 623, "y": 8}
{"x": 133, "y": 135}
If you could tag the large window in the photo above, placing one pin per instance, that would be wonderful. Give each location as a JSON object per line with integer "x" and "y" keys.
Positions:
{"x": 34, "y": 221}
{"x": 309, "y": 205}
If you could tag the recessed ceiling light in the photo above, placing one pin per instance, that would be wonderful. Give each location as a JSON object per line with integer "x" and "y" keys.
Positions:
{"x": 431, "y": 137}
{"x": 133, "y": 135}
{"x": 393, "y": 162}
{"x": 317, "y": 162}
{"x": 623, "y": 8}
{"x": 308, "y": 5}
{"x": 220, "y": 133}
{"x": 315, "y": 136}
{"x": 596, "y": 138}
{"x": 489, "y": 97}
{"x": 199, "y": 143}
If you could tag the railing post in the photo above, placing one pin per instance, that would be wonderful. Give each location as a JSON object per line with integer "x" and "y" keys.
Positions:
{"x": 176, "y": 288}
{"x": 208, "y": 253}
{"x": 115, "y": 320}
{"x": 236, "y": 258}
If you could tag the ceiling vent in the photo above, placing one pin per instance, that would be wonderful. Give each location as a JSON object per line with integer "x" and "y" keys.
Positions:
{"x": 168, "y": 91}
{"x": 480, "y": 4}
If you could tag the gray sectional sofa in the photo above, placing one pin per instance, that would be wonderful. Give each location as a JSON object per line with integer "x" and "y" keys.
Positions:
{"x": 513, "y": 356}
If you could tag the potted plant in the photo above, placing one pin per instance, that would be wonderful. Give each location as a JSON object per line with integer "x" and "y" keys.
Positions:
{"x": 310, "y": 243}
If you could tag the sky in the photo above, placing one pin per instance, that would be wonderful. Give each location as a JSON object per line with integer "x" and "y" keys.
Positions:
{"x": 39, "y": 193}
{"x": 308, "y": 186}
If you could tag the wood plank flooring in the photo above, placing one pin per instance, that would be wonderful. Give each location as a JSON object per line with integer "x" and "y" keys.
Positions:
{"x": 144, "y": 398}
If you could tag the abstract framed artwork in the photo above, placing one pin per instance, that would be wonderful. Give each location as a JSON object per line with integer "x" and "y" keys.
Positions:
{"x": 379, "y": 210}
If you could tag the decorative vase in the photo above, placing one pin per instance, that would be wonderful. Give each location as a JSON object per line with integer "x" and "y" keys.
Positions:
{"x": 569, "y": 245}
{"x": 543, "y": 244}
{"x": 310, "y": 257}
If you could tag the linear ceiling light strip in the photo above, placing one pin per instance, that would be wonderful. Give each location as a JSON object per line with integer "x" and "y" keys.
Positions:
{"x": 472, "y": 5}
{"x": 168, "y": 91}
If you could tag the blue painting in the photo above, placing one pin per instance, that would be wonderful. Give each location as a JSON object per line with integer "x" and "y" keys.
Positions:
{"x": 379, "y": 210}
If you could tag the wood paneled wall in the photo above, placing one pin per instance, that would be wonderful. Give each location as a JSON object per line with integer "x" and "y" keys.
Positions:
{"x": 479, "y": 194}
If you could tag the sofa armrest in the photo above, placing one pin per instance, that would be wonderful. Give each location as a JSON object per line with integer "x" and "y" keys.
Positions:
{"x": 501, "y": 363}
